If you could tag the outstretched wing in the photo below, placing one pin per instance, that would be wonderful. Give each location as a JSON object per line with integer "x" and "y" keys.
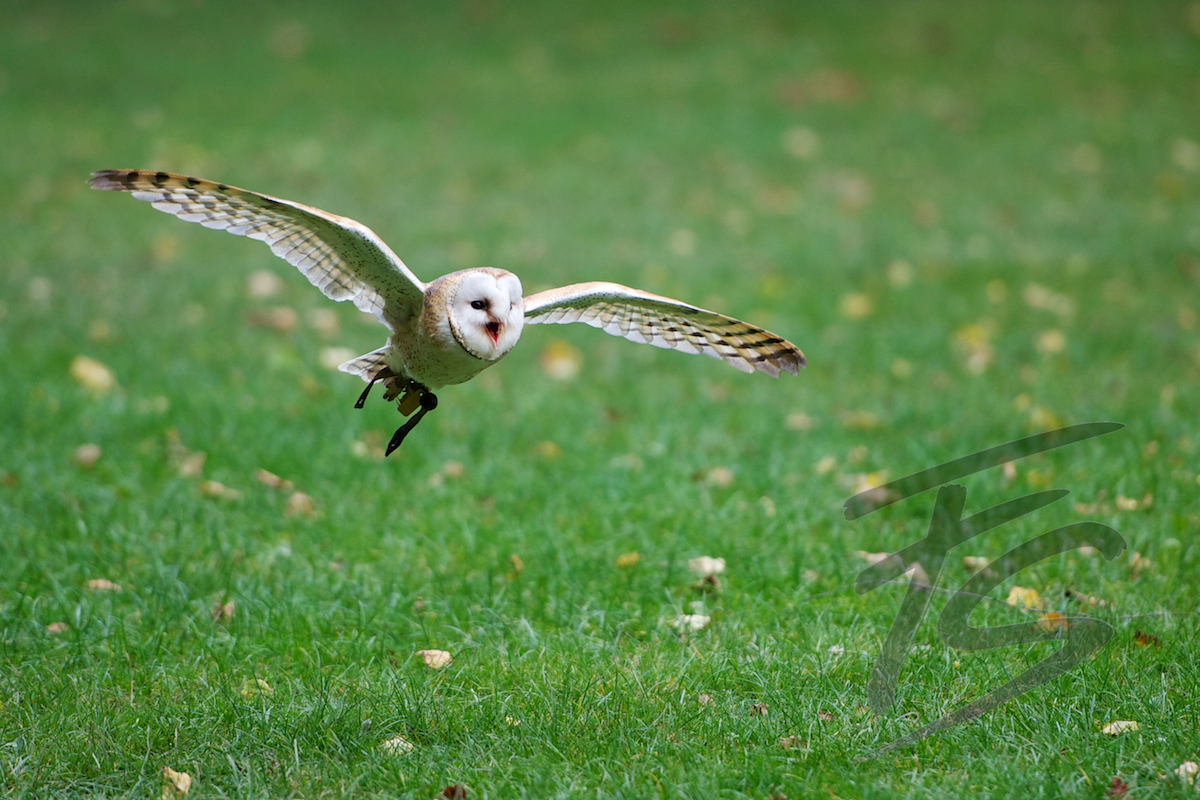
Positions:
{"x": 643, "y": 317}
{"x": 341, "y": 257}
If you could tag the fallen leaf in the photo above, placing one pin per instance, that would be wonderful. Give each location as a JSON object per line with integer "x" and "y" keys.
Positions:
{"x": 1052, "y": 621}
{"x": 1117, "y": 787}
{"x": 855, "y": 305}
{"x": 560, "y": 360}
{"x": 435, "y": 659}
{"x": 793, "y": 743}
{"x": 334, "y": 357}
{"x": 518, "y": 566}
{"x": 279, "y": 318}
{"x": 758, "y": 710}
{"x": 704, "y": 699}
{"x": 720, "y": 476}
{"x": 1145, "y": 639}
{"x": 976, "y": 563}
{"x": 263, "y": 284}
{"x": 253, "y": 687}
{"x": 223, "y": 612}
{"x": 272, "y": 480}
{"x": 219, "y": 491}
{"x": 707, "y": 565}
{"x": 628, "y": 559}
{"x": 1138, "y": 563}
{"x": 1085, "y": 599}
{"x": 691, "y": 622}
{"x": 710, "y": 584}
{"x": 57, "y": 627}
{"x": 455, "y": 791}
{"x": 1050, "y": 342}
{"x": 512, "y": 722}
{"x": 1120, "y": 726}
{"x": 103, "y": 585}
{"x": 300, "y": 505}
{"x": 1025, "y": 598}
{"x": 1124, "y": 503}
{"x": 175, "y": 784}
{"x": 1187, "y": 772}
{"x": 397, "y": 746}
{"x": 92, "y": 375}
{"x": 825, "y": 716}
{"x": 86, "y": 455}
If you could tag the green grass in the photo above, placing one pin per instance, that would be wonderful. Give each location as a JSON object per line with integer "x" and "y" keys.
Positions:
{"x": 998, "y": 150}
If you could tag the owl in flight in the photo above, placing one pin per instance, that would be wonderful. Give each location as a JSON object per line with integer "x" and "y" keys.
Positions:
{"x": 451, "y": 329}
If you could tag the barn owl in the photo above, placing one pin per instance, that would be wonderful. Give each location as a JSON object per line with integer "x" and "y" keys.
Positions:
{"x": 449, "y": 330}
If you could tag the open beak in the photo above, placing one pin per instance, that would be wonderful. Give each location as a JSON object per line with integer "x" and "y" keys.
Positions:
{"x": 493, "y": 332}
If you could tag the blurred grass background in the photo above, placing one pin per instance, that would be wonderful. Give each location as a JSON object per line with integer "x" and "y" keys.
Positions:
{"x": 977, "y": 220}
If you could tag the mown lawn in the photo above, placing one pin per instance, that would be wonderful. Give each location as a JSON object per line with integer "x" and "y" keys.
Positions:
{"x": 979, "y": 221}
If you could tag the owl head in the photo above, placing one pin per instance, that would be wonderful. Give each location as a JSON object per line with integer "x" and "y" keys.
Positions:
{"x": 487, "y": 312}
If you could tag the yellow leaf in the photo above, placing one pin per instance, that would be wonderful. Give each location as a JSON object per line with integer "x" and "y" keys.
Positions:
{"x": 1052, "y": 621}
{"x": 1026, "y": 598}
{"x": 253, "y": 687}
{"x": 103, "y": 585}
{"x": 435, "y": 659}
{"x": 175, "y": 784}
{"x": 628, "y": 559}
{"x": 92, "y": 375}
{"x": 1120, "y": 726}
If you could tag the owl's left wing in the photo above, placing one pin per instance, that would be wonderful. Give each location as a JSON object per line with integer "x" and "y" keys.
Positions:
{"x": 341, "y": 257}
{"x": 649, "y": 318}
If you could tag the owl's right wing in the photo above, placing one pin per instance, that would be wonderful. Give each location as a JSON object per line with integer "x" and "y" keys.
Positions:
{"x": 341, "y": 257}
{"x": 663, "y": 322}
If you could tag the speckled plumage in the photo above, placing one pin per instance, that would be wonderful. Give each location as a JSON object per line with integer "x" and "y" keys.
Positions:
{"x": 451, "y": 329}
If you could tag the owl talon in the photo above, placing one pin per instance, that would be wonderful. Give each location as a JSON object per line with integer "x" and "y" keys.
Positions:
{"x": 428, "y": 403}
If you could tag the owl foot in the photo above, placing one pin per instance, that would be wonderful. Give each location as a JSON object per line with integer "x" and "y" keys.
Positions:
{"x": 378, "y": 376}
{"x": 428, "y": 403}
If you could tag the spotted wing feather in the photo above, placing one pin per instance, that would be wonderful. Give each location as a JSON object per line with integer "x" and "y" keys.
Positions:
{"x": 648, "y": 318}
{"x": 341, "y": 257}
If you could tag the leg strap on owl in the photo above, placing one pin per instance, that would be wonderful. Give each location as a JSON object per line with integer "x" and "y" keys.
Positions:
{"x": 428, "y": 403}
{"x": 378, "y": 376}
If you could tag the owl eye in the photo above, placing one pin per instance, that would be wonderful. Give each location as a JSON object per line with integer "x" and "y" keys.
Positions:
{"x": 479, "y": 305}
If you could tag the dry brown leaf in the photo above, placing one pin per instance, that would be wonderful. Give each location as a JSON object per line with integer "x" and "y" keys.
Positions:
{"x": 1117, "y": 787}
{"x": 86, "y": 455}
{"x": 397, "y": 746}
{"x": 300, "y": 505}
{"x": 758, "y": 710}
{"x": 223, "y": 612}
{"x": 175, "y": 784}
{"x": 825, "y": 716}
{"x": 435, "y": 659}
{"x": 272, "y": 480}
{"x": 103, "y": 585}
{"x": 219, "y": 491}
{"x": 1085, "y": 599}
{"x": 793, "y": 743}
{"x": 1052, "y": 621}
{"x": 1145, "y": 639}
{"x": 57, "y": 627}
{"x": 704, "y": 699}
{"x": 455, "y": 791}
{"x": 1187, "y": 772}
{"x": 707, "y": 565}
{"x": 279, "y": 318}
{"x": 720, "y": 476}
